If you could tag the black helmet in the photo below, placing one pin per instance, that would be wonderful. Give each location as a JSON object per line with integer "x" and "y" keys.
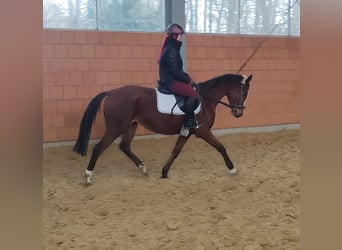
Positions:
{"x": 174, "y": 28}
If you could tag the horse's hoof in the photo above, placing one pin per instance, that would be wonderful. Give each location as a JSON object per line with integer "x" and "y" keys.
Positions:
{"x": 164, "y": 173}
{"x": 143, "y": 169}
{"x": 88, "y": 182}
{"x": 87, "y": 177}
{"x": 233, "y": 171}
{"x": 164, "y": 176}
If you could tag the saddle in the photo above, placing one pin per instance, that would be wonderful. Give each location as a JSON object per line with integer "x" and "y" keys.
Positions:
{"x": 170, "y": 103}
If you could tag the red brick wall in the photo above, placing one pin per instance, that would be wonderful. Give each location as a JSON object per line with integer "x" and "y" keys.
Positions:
{"x": 79, "y": 64}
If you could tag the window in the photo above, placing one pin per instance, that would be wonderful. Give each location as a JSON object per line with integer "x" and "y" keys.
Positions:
{"x": 137, "y": 15}
{"x": 143, "y": 15}
{"x": 69, "y": 14}
{"x": 262, "y": 17}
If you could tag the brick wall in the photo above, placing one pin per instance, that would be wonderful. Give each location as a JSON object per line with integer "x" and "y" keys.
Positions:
{"x": 79, "y": 64}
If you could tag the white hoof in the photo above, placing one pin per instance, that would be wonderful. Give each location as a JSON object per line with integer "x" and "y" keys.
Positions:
{"x": 88, "y": 175}
{"x": 233, "y": 171}
{"x": 143, "y": 169}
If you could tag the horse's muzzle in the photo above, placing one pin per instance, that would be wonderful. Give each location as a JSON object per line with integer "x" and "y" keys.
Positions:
{"x": 237, "y": 112}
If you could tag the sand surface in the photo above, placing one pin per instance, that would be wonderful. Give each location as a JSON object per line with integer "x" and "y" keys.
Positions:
{"x": 200, "y": 205}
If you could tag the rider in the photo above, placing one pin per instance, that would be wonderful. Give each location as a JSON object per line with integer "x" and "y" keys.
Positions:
{"x": 172, "y": 75}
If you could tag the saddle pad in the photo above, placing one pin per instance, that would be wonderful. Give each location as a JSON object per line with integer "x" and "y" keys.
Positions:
{"x": 165, "y": 103}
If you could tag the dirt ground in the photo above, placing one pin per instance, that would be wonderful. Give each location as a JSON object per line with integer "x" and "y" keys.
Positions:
{"x": 200, "y": 205}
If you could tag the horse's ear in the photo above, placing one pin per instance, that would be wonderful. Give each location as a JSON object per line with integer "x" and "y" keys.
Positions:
{"x": 249, "y": 78}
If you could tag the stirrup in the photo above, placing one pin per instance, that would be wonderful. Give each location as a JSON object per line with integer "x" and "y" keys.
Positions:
{"x": 195, "y": 125}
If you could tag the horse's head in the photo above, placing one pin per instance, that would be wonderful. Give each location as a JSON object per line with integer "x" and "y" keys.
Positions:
{"x": 237, "y": 96}
{"x": 234, "y": 86}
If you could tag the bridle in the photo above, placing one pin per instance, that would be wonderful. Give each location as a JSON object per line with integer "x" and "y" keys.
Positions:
{"x": 231, "y": 106}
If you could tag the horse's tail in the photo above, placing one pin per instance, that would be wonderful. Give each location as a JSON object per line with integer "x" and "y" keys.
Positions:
{"x": 88, "y": 118}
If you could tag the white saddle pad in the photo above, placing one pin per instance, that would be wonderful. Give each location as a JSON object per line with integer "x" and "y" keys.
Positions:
{"x": 165, "y": 103}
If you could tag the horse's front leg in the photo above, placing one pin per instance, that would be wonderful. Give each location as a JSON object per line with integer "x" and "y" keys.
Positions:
{"x": 213, "y": 141}
{"x": 175, "y": 152}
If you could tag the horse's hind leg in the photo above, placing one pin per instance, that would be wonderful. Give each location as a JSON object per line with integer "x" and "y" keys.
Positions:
{"x": 175, "y": 152}
{"x": 125, "y": 146}
{"x": 98, "y": 149}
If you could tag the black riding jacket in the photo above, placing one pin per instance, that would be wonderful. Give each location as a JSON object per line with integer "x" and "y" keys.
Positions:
{"x": 171, "y": 64}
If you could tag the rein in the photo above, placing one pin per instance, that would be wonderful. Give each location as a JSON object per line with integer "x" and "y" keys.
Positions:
{"x": 234, "y": 106}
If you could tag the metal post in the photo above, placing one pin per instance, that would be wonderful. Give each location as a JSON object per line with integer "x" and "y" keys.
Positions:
{"x": 175, "y": 13}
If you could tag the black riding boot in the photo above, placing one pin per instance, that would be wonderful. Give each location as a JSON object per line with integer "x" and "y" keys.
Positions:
{"x": 190, "y": 120}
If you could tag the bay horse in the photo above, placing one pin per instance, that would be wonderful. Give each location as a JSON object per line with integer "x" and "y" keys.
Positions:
{"x": 125, "y": 107}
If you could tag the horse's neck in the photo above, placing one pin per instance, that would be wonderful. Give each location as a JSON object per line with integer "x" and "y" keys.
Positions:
{"x": 214, "y": 95}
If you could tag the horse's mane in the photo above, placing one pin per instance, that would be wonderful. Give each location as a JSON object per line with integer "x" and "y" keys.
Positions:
{"x": 230, "y": 78}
